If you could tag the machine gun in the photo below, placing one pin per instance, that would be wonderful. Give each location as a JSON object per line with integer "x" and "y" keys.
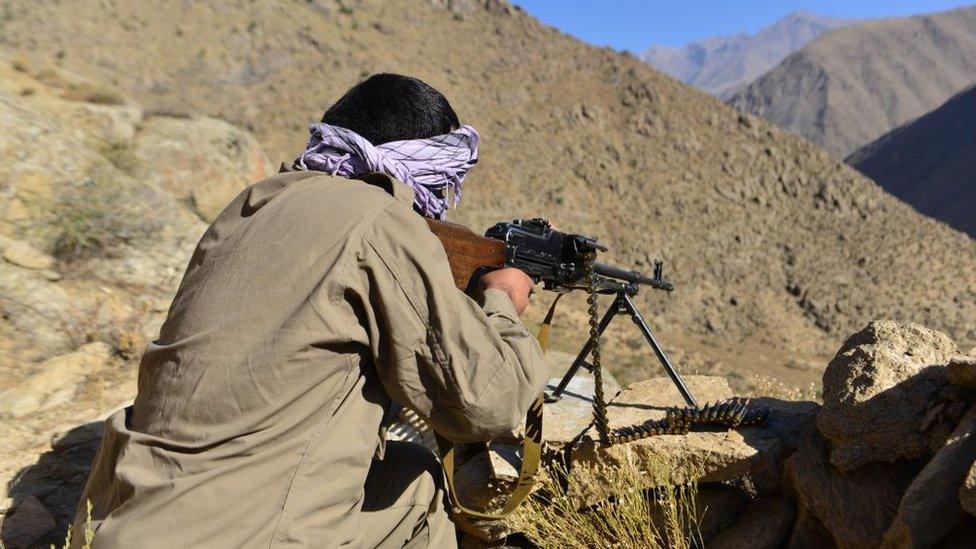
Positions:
{"x": 562, "y": 262}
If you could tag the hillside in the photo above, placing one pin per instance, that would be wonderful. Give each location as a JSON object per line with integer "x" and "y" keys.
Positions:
{"x": 722, "y": 65}
{"x": 852, "y": 86}
{"x": 930, "y": 162}
{"x": 773, "y": 244}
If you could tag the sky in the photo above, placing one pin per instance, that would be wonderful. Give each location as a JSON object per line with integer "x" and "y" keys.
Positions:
{"x": 637, "y": 24}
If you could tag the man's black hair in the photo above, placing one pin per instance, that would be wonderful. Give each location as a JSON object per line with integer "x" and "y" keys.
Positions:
{"x": 391, "y": 107}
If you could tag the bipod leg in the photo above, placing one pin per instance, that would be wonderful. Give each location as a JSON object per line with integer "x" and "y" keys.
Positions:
{"x": 668, "y": 367}
{"x": 614, "y": 310}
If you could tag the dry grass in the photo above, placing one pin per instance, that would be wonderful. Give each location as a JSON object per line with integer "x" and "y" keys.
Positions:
{"x": 96, "y": 217}
{"x": 612, "y": 506}
{"x": 764, "y": 386}
{"x": 89, "y": 533}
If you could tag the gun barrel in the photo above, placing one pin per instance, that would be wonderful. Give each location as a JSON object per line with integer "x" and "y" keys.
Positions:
{"x": 631, "y": 276}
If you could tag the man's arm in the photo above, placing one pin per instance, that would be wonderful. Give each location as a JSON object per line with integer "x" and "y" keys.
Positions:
{"x": 471, "y": 369}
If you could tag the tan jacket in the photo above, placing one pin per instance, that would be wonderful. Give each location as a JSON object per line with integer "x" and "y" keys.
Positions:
{"x": 309, "y": 303}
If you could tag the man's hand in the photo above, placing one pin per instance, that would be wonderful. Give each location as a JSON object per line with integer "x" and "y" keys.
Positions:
{"x": 513, "y": 282}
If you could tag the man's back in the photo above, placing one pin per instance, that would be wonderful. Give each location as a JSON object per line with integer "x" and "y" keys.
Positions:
{"x": 308, "y": 301}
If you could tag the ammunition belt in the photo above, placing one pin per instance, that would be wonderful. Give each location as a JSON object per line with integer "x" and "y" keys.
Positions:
{"x": 729, "y": 414}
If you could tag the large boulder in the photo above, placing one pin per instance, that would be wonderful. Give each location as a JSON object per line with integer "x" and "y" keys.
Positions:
{"x": 877, "y": 391}
{"x": 26, "y": 525}
{"x": 44, "y": 496}
{"x": 962, "y": 370}
{"x": 202, "y": 161}
{"x": 763, "y": 524}
{"x": 857, "y": 506}
{"x": 931, "y": 506}
{"x": 808, "y": 532}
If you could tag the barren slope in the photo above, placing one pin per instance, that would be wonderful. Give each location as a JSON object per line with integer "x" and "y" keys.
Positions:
{"x": 773, "y": 244}
{"x": 930, "y": 162}
{"x": 849, "y": 87}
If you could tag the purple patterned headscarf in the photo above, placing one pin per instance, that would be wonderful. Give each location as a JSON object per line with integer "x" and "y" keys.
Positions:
{"x": 430, "y": 164}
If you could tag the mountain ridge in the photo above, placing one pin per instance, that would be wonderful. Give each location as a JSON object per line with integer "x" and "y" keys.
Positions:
{"x": 721, "y": 65}
{"x": 930, "y": 162}
{"x": 849, "y": 87}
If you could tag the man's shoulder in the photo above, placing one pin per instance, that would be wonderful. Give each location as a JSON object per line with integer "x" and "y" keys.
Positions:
{"x": 319, "y": 187}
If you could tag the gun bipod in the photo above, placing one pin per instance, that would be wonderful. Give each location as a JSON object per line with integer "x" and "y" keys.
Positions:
{"x": 622, "y": 304}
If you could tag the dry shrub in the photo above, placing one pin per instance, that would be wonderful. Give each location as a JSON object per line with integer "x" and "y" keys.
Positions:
{"x": 93, "y": 93}
{"x": 96, "y": 217}
{"x": 764, "y": 386}
{"x": 622, "y": 505}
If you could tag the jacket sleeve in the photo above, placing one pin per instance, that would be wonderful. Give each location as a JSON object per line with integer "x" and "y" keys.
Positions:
{"x": 471, "y": 369}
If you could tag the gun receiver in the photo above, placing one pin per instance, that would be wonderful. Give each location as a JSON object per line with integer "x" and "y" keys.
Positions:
{"x": 549, "y": 256}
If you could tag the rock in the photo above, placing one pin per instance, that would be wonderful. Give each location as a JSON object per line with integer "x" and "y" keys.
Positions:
{"x": 962, "y": 370}
{"x": 763, "y": 524}
{"x": 931, "y": 506}
{"x": 967, "y": 494}
{"x": 24, "y": 255}
{"x": 809, "y": 532}
{"x": 26, "y": 525}
{"x": 877, "y": 390}
{"x": 37, "y": 309}
{"x": 54, "y": 382}
{"x": 6, "y": 504}
{"x": 961, "y": 537}
{"x": 714, "y": 456}
{"x": 202, "y": 160}
{"x": 718, "y": 507}
{"x": 855, "y": 507}
{"x": 58, "y": 478}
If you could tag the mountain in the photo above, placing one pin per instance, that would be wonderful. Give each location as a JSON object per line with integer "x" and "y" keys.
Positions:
{"x": 930, "y": 162}
{"x": 777, "y": 249}
{"x": 850, "y": 87}
{"x": 724, "y": 64}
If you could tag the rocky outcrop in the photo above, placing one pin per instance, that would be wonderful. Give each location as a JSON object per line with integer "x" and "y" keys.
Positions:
{"x": 878, "y": 394}
{"x": 762, "y": 524}
{"x": 962, "y": 370}
{"x": 931, "y": 506}
{"x": 888, "y": 466}
{"x": 45, "y": 495}
{"x": 856, "y": 506}
{"x": 55, "y": 381}
{"x": 967, "y": 493}
{"x": 202, "y": 161}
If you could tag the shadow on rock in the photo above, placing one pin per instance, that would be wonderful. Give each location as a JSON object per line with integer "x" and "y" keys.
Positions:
{"x": 46, "y": 493}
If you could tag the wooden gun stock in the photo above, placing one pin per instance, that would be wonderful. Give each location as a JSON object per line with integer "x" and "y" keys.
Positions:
{"x": 469, "y": 253}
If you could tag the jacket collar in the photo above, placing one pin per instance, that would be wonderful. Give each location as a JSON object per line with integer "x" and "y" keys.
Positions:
{"x": 402, "y": 192}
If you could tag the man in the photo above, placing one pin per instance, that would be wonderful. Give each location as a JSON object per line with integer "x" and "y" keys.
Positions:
{"x": 316, "y": 298}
